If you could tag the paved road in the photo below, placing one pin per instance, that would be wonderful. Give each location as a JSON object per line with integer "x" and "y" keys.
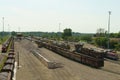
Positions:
{"x": 33, "y": 69}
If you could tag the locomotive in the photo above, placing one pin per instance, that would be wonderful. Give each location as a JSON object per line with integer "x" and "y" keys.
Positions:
{"x": 111, "y": 54}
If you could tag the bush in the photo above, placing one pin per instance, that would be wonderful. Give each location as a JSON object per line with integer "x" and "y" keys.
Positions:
{"x": 86, "y": 38}
{"x": 101, "y": 41}
{"x": 113, "y": 43}
{"x": 117, "y": 46}
{"x": 2, "y": 40}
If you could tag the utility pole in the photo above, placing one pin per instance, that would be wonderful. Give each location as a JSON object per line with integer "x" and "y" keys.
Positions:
{"x": 59, "y": 30}
{"x": 9, "y": 32}
{"x": 3, "y": 28}
{"x": 59, "y": 26}
{"x": 18, "y": 29}
{"x": 109, "y": 29}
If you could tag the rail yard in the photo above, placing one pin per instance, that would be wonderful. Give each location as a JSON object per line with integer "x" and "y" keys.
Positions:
{"x": 38, "y": 60}
{"x": 59, "y": 40}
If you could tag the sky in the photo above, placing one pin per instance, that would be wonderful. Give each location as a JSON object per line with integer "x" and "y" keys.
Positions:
{"x": 84, "y": 16}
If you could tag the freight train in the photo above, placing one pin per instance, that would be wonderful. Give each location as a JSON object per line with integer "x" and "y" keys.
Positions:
{"x": 7, "y": 72}
{"x": 5, "y": 45}
{"x": 61, "y": 44}
{"x": 96, "y": 53}
{"x": 89, "y": 51}
{"x": 96, "y": 62}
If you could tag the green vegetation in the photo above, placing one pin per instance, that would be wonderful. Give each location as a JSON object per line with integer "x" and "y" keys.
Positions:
{"x": 113, "y": 44}
{"x": 4, "y": 56}
{"x": 13, "y": 33}
{"x": 115, "y": 35}
{"x": 86, "y": 38}
{"x": 117, "y": 46}
{"x": 67, "y": 34}
{"x": 101, "y": 40}
{"x": 3, "y": 39}
{"x": 2, "y": 62}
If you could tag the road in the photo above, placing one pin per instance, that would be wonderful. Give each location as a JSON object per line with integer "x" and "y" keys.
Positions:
{"x": 32, "y": 69}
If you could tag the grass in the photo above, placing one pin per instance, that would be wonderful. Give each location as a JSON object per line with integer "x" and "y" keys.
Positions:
{"x": 2, "y": 40}
{"x": 5, "y": 56}
{"x": 2, "y": 62}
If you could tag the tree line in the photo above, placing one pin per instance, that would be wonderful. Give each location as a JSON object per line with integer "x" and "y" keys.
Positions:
{"x": 100, "y": 38}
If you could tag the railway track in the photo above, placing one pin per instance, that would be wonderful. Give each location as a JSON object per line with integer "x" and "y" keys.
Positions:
{"x": 82, "y": 58}
{"x": 72, "y": 70}
{"x": 118, "y": 73}
{"x": 7, "y": 72}
{"x": 107, "y": 70}
{"x": 113, "y": 61}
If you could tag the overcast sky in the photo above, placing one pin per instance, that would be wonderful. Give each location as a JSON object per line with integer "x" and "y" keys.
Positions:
{"x": 84, "y": 16}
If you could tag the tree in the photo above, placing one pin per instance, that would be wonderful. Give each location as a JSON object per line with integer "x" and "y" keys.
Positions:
{"x": 115, "y": 35}
{"x": 86, "y": 38}
{"x": 113, "y": 43}
{"x": 117, "y": 46}
{"x": 101, "y": 41}
{"x": 13, "y": 33}
{"x": 100, "y": 32}
{"x": 67, "y": 33}
{"x": 112, "y": 35}
{"x": 118, "y": 35}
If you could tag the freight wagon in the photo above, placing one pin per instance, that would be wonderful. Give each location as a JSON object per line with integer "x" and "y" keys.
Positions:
{"x": 96, "y": 62}
{"x": 5, "y": 45}
{"x": 89, "y": 51}
{"x": 7, "y": 72}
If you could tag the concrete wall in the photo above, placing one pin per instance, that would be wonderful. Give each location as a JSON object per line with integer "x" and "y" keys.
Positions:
{"x": 46, "y": 62}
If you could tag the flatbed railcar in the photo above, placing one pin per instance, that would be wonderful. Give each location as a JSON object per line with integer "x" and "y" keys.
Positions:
{"x": 82, "y": 58}
{"x": 89, "y": 51}
{"x": 110, "y": 54}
